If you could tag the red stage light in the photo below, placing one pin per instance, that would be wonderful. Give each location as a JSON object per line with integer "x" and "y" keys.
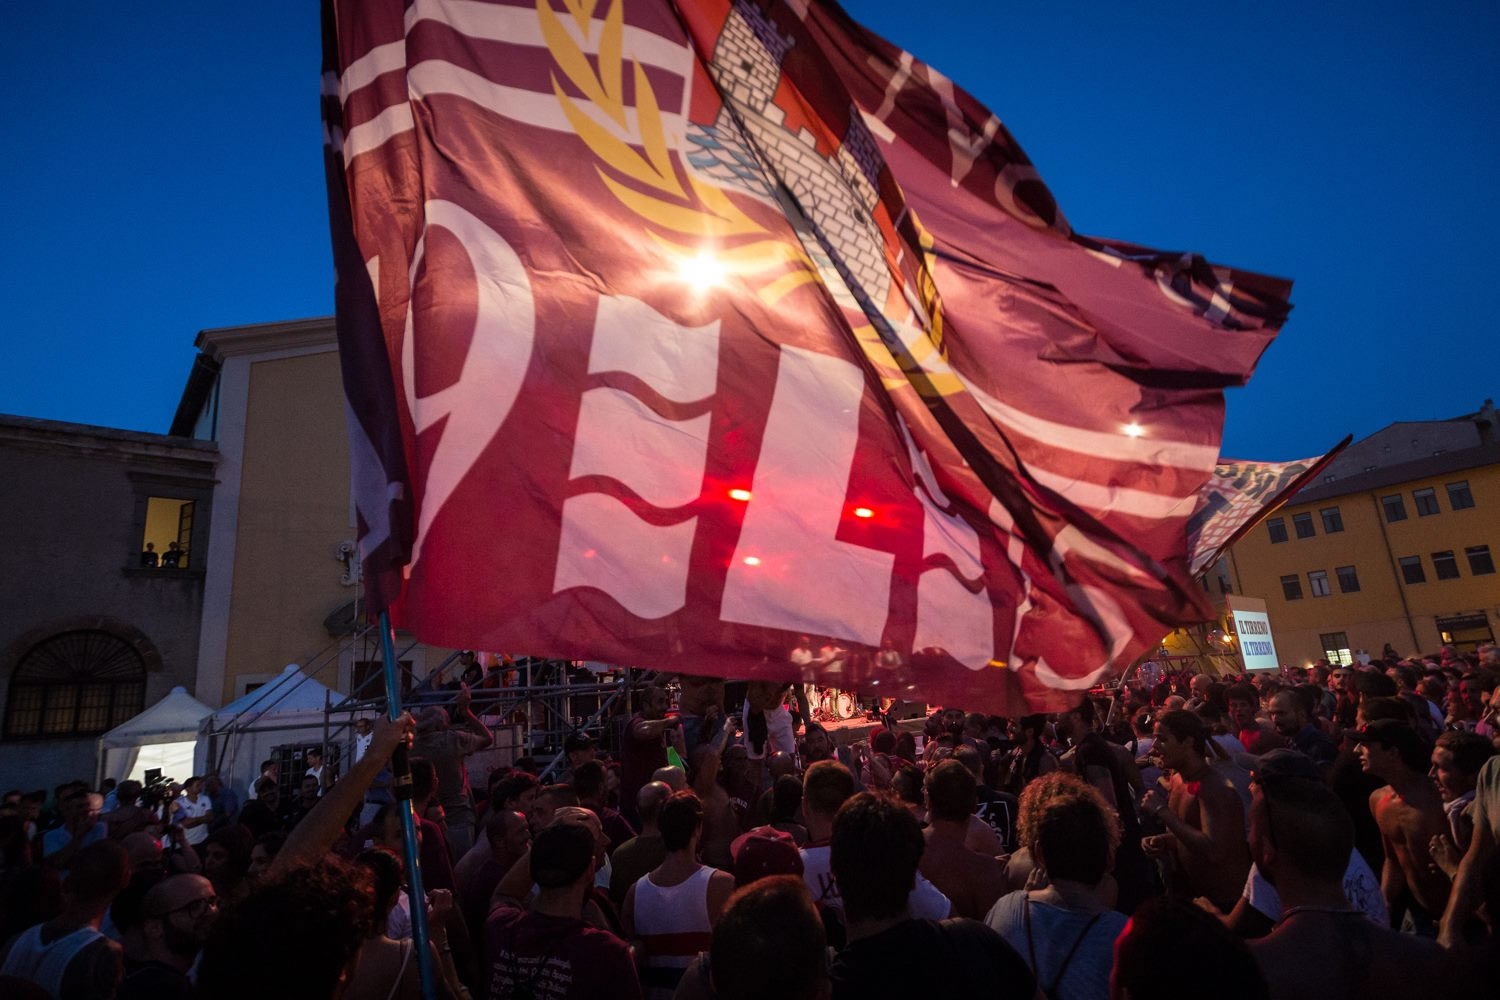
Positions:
{"x": 863, "y": 512}
{"x": 739, "y": 494}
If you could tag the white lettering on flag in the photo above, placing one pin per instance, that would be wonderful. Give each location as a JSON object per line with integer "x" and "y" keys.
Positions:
{"x": 603, "y": 543}
{"x": 804, "y": 578}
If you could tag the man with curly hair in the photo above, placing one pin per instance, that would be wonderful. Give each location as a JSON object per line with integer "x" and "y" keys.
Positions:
{"x": 312, "y": 919}
{"x": 1066, "y": 929}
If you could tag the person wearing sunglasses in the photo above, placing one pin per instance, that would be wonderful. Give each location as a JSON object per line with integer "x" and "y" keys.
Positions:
{"x": 175, "y": 918}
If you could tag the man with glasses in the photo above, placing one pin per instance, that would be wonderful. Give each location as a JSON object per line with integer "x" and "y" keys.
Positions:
{"x": 175, "y": 919}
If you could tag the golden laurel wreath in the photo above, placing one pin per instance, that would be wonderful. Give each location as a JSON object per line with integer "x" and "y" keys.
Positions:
{"x": 673, "y": 209}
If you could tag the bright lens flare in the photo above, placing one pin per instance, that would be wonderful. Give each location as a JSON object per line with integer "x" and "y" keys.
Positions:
{"x": 863, "y": 512}
{"x": 739, "y": 494}
{"x": 702, "y": 272}
{"x": 1134, "y": 430}
{"x": 752, "y": 560}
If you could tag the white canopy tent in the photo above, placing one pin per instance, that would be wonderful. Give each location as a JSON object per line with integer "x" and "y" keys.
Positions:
{"x": 164, "y": 736}
{"x": 291, "y": 709}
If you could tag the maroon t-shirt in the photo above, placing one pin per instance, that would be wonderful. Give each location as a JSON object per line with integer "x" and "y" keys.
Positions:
{"x": 638, "y": 761}
{"x": 555, "y": 958}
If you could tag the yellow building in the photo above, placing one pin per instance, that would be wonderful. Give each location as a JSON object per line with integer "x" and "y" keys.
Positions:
{"x": 279, "y": 584}
{"x": 1396, "y": 545}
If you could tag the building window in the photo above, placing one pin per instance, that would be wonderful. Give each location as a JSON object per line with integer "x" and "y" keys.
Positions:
{"x": 1395, "y": 510}
{"x": 1480, "y": 563}
{"x": 1336, "y": 649}
{"x": 80, "y": 683}
{"x": 1445, "y": 565}
{"x": 1333, "y": 521}
{"x": 1411, "y": 569}
{"x": 168, "y": 533}
{"x": 1277, "y": 527}
{"x": 1291, "y": 587}
{"x": 1304, "y": 525}
{"x": 1459, "y": 497}
{"x": 1348, "y": 580}
{"x": 1426, "y": 501}
{"x": 1317, "y": 583}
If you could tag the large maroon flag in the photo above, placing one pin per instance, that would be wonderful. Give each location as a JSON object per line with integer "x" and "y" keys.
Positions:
{"x": 700, "y": 335}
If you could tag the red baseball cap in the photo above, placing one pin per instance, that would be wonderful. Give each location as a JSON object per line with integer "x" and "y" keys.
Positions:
{"x": 762, "y": 852}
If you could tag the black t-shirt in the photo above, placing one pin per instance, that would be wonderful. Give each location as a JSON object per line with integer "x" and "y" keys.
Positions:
{"x": 999, "y": 810}
{"x": 153, "y": 981}
{"x": 258, "y": 818}
{"x": 972, "y": 960}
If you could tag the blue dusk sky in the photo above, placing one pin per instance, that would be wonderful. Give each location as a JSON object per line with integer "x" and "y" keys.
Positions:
{"x": 163, "y": 174}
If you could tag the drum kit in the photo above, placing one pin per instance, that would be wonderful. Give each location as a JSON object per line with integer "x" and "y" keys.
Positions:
{"x": 829, "y": 704}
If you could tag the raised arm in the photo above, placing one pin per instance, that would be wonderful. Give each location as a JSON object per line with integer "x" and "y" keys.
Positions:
{"x": 707, "y": 775}
{"x": 464, "y": 716}
{"x": 320, "y": 828}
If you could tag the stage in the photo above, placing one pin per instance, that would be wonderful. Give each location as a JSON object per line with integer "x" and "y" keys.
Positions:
{"x": 846, "y": 731}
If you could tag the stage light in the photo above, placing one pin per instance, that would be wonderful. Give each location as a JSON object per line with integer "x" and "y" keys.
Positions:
{"x": 739, "y": 494}
{"x": 701, "y": 272}
{"x": 863, "y": 512}
{"x": 752, "y": 560}
{"x": 1134, "y": 430}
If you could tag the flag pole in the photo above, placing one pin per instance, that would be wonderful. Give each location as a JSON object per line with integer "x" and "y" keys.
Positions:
{"x": 401, "y": 786}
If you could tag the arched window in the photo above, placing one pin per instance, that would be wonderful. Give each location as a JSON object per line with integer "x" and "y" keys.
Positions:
{"x": 79, "y": 683}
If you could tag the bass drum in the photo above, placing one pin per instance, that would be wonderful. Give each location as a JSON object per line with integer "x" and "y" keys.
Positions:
{"x": 845, "y": 706}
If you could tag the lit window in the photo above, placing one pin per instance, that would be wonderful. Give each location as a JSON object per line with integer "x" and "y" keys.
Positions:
{"x": 1336, "y": 649}
{"x": 168, "y": 533}
{"x": 1291, "y": 587}
{"x": 1333, "y": 521}
{"x": 1348, "y": 580}
{"x": 1480, "y": 563}
{"x": 1459, "y": 497}
{"x": 1411, "y": 569}
{"x": 1303, "y": 523}
{"x": 1445, "y": 565}
{"x": 1426, "y": 501}
{"x": 1277, "y": 527}
{"x": 1395, "y": 509}
{"x": 1317, "y": 583}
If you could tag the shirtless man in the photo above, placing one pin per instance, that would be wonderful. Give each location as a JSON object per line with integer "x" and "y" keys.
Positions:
{"x": 1409, "y": 812}
{"x": 722, "y": 812}
{"x": 700, "y": 704}
{"x": 973, "y": 881}
{"x": 1203, "y": 814}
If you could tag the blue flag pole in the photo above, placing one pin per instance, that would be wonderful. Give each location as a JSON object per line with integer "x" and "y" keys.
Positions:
{"x": 401, "y": 786}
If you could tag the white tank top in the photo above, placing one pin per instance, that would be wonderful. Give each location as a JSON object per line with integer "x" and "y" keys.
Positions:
{"x": 44, "y": 964}
{"x": 672, "y": 923}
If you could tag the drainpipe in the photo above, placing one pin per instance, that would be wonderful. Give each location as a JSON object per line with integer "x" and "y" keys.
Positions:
{"x": 1395, "y": 572}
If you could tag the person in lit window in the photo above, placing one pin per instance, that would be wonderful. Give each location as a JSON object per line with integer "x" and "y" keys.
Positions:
{"x": 173, "y": 557}
{"x": 149, "y": 557}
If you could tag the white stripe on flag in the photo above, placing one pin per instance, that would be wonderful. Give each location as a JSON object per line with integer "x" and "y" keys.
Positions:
{"x": 521, "y": 26}
{"x": 436, "y": 77}
{"x": 371, "y": 134}
{"x": 377, "y": 62}
{"x": 1116, "y": 447}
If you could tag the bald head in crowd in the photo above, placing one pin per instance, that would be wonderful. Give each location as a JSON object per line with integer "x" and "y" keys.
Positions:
{"x": 672, "y": 776}
{"x": 648, "y": 801}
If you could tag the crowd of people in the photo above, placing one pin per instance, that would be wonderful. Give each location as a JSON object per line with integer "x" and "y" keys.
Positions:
{"x": 1329, "y": 832}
